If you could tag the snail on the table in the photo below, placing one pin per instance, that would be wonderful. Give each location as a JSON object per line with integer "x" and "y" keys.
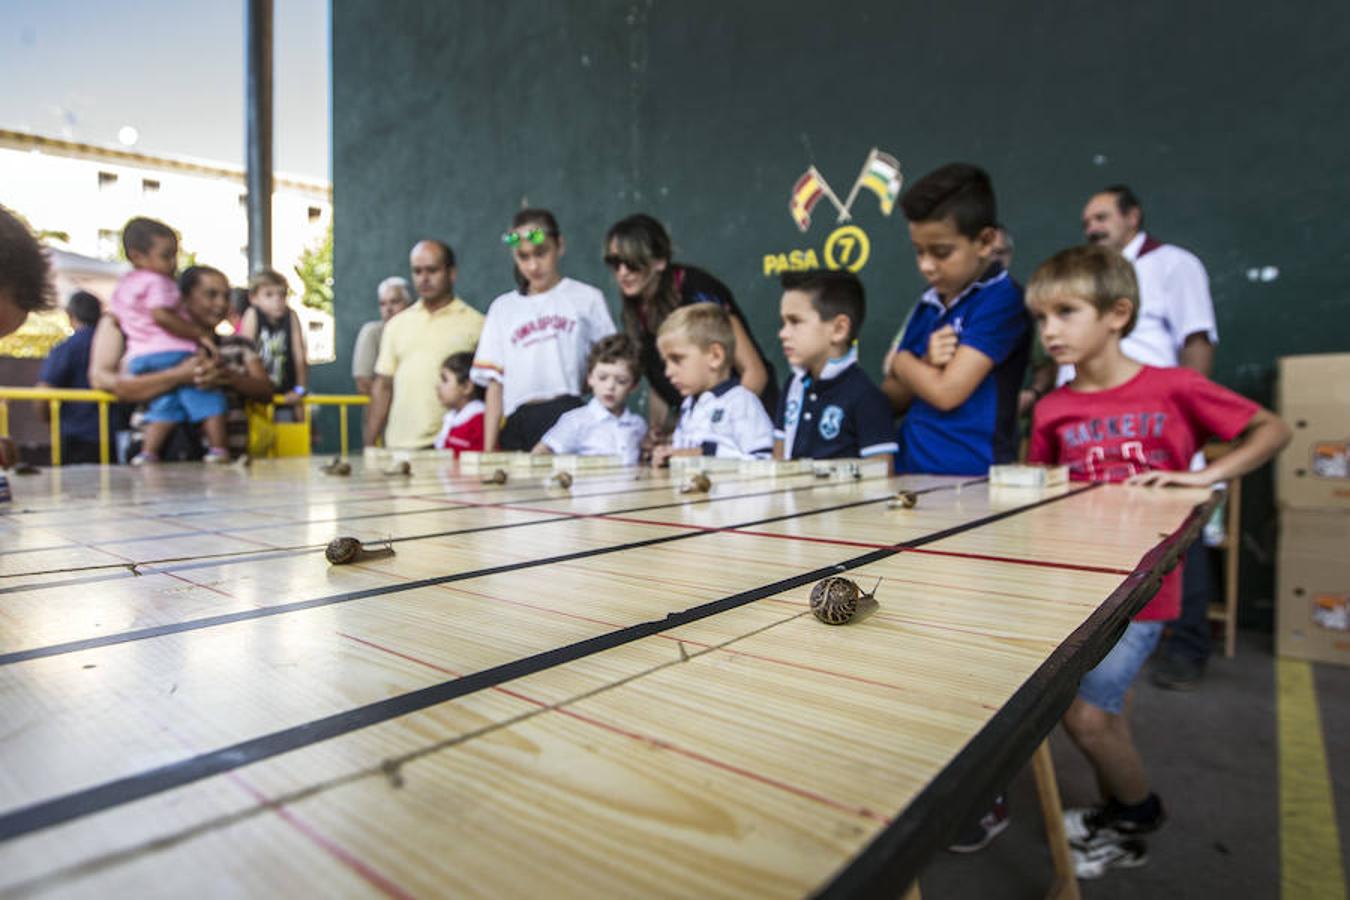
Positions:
{"x": 561, "y": 480}
{"x": 497, "y": 477}
{"x": 698, "y": 483}
{"x": 903, "y": 500}
{"x": 338, "y": 466}
{"x": 835, "y": 600}
{"x": 343, "y": 550}
{"x": 402, "y": 467}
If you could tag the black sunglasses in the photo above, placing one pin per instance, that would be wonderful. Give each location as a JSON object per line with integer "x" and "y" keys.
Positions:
{"x": 613, "y": 260}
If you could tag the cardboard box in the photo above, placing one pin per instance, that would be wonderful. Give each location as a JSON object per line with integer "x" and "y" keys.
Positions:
{"x": 1313, "y": 396}
{"x": 1312, "y": 615}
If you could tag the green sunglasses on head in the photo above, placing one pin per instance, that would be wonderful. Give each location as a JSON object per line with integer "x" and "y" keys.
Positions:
{"x": 535, "y": 236}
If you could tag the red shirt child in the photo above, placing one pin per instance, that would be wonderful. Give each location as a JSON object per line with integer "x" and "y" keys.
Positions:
{"x": 1154, "y": 421}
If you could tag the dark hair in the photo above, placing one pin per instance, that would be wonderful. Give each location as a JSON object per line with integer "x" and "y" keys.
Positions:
{"x": 193, "y": 275}
{"x": 833, "y": 293}
{"x": 542, "y": 219}
{"x": 23, "y": 265}
{"x": 239, "y": 302}
{"x": 84, "y": 308}
{"x": 140, "y": 234}
{"x": 447, "y": 255}
{"x": 957, "y": 191}
{"x": 1126, "y": 200}
{"x": 617, "y": 348}
{"x": 642, "y": 240}
{"x": 459, "y": 365}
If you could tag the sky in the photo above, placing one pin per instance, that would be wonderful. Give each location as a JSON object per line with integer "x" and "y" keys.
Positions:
{"x": 174, "y": 71}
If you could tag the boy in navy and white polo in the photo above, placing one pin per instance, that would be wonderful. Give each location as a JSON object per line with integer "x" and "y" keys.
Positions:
{"x": 962, "y": 356}
{"x": 829, "y": 407}
{"x": 719, "y": 417}
{"x": 604, "y": 426}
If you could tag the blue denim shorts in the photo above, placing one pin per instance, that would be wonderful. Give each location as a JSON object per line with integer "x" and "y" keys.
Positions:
{"x": 182, "y": 404}
{"x": 1105, "y": 686}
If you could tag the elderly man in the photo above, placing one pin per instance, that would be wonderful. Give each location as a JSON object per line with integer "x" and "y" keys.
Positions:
{"x": 393, "y": 297}
{"x": 404, "y": 408}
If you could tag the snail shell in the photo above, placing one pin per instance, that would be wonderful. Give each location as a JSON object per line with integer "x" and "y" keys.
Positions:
{"x": 497, "y": 477}
{"x": 338, "y": 467}
{"x": 403, "y": 467}
{"x": 342, "y": 550}
{"x": 834, "y": 600}
{"x": 562, "y": 480}
{"x": 903, "y": 500}
{"x": 698, "y": 483}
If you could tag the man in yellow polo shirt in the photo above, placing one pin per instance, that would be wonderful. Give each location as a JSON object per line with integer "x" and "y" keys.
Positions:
{"x": 403, "y": 404}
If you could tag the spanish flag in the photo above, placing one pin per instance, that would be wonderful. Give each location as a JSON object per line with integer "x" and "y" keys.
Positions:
{"x": 881, "y": 176}
{"x": 806, "y": 193}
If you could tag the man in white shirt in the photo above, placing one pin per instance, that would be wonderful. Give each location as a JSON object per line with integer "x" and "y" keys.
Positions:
{"x": 1176, "y": 324}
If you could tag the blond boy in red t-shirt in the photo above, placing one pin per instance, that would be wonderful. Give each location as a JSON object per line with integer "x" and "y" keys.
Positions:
{"x": 1122, "y": 421}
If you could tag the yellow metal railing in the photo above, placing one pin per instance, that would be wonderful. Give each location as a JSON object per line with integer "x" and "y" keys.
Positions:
{"x": 55, "y": 397}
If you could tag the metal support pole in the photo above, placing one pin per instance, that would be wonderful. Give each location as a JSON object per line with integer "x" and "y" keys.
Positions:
{"x": 258, "y": 131}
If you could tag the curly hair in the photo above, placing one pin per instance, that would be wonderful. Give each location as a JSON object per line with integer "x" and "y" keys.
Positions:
{"x": 24, "y": 267}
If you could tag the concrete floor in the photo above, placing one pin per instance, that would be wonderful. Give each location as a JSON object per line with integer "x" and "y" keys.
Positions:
{"x": 1212, "y": 755}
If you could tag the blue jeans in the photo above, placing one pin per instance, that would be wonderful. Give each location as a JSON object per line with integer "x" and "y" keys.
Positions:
{"x": 182, "y": 404}
{"x": 1105, "y": 686}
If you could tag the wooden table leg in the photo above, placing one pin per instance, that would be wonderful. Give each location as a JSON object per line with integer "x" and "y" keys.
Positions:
{"x": 1065, "y": 886}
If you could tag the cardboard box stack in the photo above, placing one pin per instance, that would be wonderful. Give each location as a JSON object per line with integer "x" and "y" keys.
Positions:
{"x": 1312, "y": 486}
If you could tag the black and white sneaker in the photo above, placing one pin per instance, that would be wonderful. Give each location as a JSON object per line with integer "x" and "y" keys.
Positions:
{"x": 1086, "y": 825}
{"x": 1098, "y": 857}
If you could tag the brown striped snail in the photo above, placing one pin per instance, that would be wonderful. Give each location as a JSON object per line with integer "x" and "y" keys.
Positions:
{"x": 903, "y": 500}
{"x": 338, "y": 466}
{"x": 835, "y": 600}
{"x": 402, "y": 467}
{"x": 343, "y": 550}
{"x": 698, "y": 483}
{"x": 562, "y": 480}
{"x": 497, "y": 477}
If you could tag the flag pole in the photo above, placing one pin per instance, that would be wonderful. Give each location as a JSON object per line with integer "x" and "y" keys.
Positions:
{"x": 825, "y": 189}
{"x": 852, "y": 195}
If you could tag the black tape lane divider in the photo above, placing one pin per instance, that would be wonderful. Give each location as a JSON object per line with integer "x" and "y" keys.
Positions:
{"x": 201, "y": 561}
{"x": 426, "y": 498}
{"x": 262, "y": 612}
{"x": 111, "y": 794}
{"x": 896, "y": 856}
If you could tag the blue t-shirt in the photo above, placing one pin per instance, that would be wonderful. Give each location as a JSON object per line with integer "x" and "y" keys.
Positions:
{"x": 991, "y": 317}
{"x": 67, "y": 366}
{"x": 841, "y": 414}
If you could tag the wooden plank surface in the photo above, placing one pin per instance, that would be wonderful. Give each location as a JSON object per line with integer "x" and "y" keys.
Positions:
{"x": 740, "y": 749}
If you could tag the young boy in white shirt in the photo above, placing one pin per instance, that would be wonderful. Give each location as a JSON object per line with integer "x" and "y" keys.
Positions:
{"x": 604, "y": 426}
{"x": 718, "y": 416}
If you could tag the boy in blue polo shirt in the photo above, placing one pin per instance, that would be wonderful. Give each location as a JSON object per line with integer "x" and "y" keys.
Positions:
{"x": 964, "y": 351}
{"x": 829, "y": 408}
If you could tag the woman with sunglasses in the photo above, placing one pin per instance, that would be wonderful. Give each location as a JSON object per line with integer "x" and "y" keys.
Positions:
{"x": 638, "y": 252}
{"x": 531, "y": 357}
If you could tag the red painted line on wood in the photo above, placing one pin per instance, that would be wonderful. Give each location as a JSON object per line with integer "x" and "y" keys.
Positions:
{"x": 1022, "y": 561}
{"x": 861, "y": 811}
{"x": 367, "y": 872}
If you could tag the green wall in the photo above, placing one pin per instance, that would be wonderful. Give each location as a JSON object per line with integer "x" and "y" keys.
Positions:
{"x": 1230, "y": 121}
